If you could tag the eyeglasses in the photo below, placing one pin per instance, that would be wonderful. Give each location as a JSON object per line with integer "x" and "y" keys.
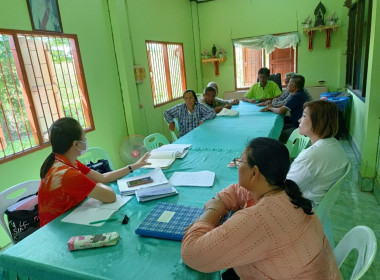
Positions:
{"x": 238, "y": 161}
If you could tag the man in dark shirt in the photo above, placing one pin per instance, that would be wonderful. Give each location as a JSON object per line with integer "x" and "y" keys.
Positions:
{"x": 294, "y": 105}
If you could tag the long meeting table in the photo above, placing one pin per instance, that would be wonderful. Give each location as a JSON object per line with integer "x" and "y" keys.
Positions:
{"x": 45, "y": 255}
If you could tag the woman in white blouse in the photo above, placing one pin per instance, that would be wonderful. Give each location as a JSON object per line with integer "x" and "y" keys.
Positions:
{"x": 318, "y": 167}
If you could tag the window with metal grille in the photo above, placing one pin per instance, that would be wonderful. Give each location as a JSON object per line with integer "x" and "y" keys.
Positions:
{"x": 359, "y": 28}
{"x": 249, "y": 61}
{"x": 41, "y": 80}
{"x": 166, "y": 70}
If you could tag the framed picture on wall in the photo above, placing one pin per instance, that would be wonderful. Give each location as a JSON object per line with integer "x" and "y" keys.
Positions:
{"x": 44, "y": 15}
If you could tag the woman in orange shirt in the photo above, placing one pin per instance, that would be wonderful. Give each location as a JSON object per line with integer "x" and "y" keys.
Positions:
{"x": 273, "y": 235}
{"x": 66, "y": 182}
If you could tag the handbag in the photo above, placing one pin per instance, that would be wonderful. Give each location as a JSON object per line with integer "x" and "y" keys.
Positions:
{"x": 101, "y": 166}
{"x": 23, "y": 217}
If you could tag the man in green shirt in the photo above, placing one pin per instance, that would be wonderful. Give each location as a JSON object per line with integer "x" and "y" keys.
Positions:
{"x": 263, "y": 90}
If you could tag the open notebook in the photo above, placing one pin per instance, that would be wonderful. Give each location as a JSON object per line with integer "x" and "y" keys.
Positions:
{"x": 160, "y": 159}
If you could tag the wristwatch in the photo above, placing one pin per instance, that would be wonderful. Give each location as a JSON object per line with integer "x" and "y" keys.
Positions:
{"x": 130, "y": 169}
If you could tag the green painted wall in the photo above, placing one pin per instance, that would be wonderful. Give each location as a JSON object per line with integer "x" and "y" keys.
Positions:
{"x": 149, "y": 20}
{"x": 93, "y": 29}
{"x": 372, "y": 103}
{"x": 224, "y": 20}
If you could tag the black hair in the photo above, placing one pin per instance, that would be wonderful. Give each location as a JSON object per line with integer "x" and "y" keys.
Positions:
{"x": 209, "y": 89}
{"x": 194, "y": 94}
{"x": 264, "y": 71}
{"x": 298, "y": 80}
{"x": 272, "y": 159}
{"x": 62, "y": 134}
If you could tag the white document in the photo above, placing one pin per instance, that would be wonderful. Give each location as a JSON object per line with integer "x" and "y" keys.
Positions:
{"x": 228, "y": 113}
{"x": 94, "y": 210}
{"x": 196, "y": 179}
{"x": 156, "y": 174}
{"x": 179, "y": 149}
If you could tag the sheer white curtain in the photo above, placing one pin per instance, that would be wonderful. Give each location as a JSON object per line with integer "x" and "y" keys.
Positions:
{"x": 269, "y": 42}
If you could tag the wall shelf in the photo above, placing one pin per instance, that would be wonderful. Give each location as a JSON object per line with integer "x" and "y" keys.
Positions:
{"x": 310, "y": 32}
{"x": 216, "y": 61}
{"x": 320, "y": 28}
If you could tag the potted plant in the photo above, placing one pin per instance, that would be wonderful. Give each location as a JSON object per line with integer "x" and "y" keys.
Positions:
{"x": 221, "y": 52}
{"x": 307, "y": 22}
{"x": 332, "y": 19}
{"x": 205, "y": 54}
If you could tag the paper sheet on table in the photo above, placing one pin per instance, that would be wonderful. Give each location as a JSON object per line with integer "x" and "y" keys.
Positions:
{"x": 196, "y": 179}
{"x": 95, "y": 210}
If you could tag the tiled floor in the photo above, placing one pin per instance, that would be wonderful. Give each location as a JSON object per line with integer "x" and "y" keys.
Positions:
{"x": 353, "y": 208}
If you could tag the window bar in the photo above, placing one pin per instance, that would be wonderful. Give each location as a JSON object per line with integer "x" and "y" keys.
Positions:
{"x": 71, "y": 83}
{"x": 5, "y": 118}
{"x": 81, "y": 84}
{"x": 35, "y": 79}
{"x": 11, "y": 105}
{"x": 162, "y": 71}
{"x": 157, "y": 73}
{"x": 54, "y": 70}
{"x": 47, "y": 49}
{"x": 166, "y": 61}
{"x": 18, "y": 98}
{"x": 24, "y": 79}
{"x": 63, "y": 78}
{"x": 151, "y": 73}
{"x": 42, "y": 79}
{"x": 183, "y": 73}
{"x": 76, "y": 85}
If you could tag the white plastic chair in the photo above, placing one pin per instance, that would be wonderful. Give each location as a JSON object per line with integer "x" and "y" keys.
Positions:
{"x": 11, "y": 195}
{"x": 173, "y": 133}
{"x": 363, "y": 239}
{"x": 323, "y": 209}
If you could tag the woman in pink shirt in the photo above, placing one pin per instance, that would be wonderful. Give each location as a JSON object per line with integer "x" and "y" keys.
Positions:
{"x": 273, "y": 235}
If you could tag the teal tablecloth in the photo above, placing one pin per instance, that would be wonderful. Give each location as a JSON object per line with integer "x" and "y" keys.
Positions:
{"x": 45, "y": 255}
{"x": 234, "y": 133}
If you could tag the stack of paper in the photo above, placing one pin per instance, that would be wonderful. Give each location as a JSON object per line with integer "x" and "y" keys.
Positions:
{"x": 156, "y": 175}
{"x": 155, "y": 192}
{"x": 195, "y": 179}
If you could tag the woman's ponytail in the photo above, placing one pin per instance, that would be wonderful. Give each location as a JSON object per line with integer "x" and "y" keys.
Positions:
{"x": 47, "y": 165}
{"x": 293, "y": 191}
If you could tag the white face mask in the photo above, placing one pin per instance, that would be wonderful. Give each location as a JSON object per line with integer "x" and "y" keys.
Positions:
{"x": 85, "y": 148}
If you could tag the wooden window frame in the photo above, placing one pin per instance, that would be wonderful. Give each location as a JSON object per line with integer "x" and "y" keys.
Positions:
{"x": 167, "y": 71}
{"x": 295, "y": 64}
{"x": 27, "y": 92}
{"x": 357, "y": 58}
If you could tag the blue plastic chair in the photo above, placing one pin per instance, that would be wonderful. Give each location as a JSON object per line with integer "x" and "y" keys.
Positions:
{"x": 323, "y": 209}
{"x": 155, "y": 140}
{"x": 94, "y": 154}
